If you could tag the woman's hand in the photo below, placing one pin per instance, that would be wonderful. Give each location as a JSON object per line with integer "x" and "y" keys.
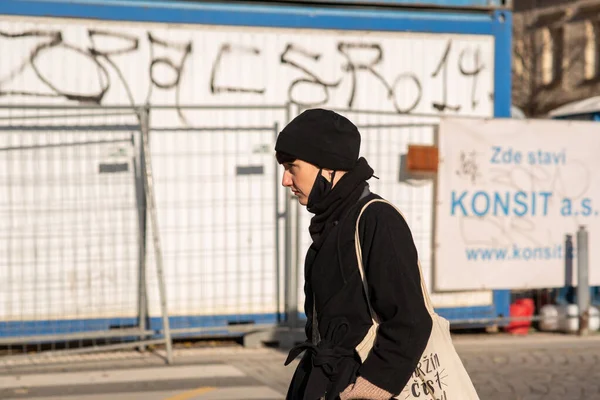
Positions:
{"x": 364, "y": 390}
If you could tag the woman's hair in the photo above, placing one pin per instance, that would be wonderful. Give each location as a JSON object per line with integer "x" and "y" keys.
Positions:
{"x": 284, "y": 158}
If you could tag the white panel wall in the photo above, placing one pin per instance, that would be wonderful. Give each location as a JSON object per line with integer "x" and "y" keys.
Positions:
{"x": 422, "y": 75}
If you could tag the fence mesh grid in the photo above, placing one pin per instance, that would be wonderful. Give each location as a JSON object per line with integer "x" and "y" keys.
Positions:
{"x": 69, "y": 216}
{"x": 78, "y": 239}
{"x": 216, "y": 184}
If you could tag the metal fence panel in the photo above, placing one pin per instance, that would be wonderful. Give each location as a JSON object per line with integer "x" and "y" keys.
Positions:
{"x": 79, "y": 188}
{"x": 217, "y": 191}
{"x": 70, "y": 192}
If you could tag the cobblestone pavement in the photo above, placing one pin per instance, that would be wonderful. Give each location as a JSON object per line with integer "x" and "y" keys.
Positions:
{"x": 563, "y": 368}
{"x": 539, "y": 366}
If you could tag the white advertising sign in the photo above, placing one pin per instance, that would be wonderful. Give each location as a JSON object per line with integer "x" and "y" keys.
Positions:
{"x": 509, "y": 191}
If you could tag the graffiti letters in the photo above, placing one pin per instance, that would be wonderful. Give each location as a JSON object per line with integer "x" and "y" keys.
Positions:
{"x": 52, "y": 41}
{"x": 474, "y": 72}
{"x": 443, "y": 65}
{"x": 310, "y": 79}
{"x": 352, "y": 66}
{"x": 160, "y": 64}
{"x": 343, "y": 73}
{"x": 131, "y": 46}
{"x": 102, "y": 57}
{"x": 226, "y": 52}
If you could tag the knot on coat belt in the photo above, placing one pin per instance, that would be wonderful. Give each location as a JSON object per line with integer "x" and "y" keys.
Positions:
{"x": 333, "y": 366}
{"x": 326, "y": 355}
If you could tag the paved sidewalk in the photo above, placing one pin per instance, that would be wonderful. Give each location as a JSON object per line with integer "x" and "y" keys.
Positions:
{"x": 539, "y": 366}
{"x": 227, "y": 373}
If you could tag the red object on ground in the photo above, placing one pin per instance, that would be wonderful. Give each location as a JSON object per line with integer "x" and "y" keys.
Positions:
{"x": 522, "y": 308}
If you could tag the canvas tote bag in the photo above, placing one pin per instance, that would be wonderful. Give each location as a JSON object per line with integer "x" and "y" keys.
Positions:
{"x": 440, "y": 374}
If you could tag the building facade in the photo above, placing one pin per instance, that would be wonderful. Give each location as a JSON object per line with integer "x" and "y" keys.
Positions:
{"x": 556, "y": 53}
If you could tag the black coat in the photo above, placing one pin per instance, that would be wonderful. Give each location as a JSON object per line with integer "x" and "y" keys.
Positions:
{"x": 332, "y": 276}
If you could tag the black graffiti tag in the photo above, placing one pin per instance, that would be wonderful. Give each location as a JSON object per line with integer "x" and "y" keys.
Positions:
{"x": 443, "y": 65}
{"x": 311, "y": 78}
{"x": 477, "y": 68}
{"x": 131, "y": 46}
{"x": 177, "y": 67}
{"x": 53, "y": 41}
{"x": 353, "y": 66}
{"x": 225, "y": 51}
{"x": 404, "y": 90}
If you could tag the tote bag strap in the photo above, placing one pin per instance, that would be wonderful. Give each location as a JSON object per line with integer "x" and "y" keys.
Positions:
{"x": 361, "y": 267}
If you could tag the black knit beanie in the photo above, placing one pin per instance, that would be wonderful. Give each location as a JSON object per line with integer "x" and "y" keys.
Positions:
{"x": 323, "y": 138}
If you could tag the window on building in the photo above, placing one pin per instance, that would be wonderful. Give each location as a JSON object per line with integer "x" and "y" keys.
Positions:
{"x": 552, "y": 55}
{"x": 592, "y": 50}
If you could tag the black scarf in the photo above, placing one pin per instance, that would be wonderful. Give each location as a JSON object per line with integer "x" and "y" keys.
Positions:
{"x": 331, "y": 207}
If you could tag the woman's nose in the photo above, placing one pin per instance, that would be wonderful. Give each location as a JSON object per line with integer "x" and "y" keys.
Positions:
{"x": 287, "y": 179}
